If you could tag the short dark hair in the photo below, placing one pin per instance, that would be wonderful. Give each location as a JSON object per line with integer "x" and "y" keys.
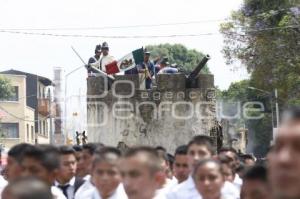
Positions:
{"x": 29, "y": 188}
{"x": 247, "y": 156}
{"x": 18, "y": 151}
{"x": 181, "y": 150}
{"x": 256, "y": 172}
{"x": 106, "y": 154}
{"x": 90, "y": 147}
{"x": 47, "y": 155}
{"x": 224, "y": 159}
{"x": 153, "y": 160}
{"x": 77, "y": 148}
{"x": 202, "y": 140}
{"x": 66, "y": 150}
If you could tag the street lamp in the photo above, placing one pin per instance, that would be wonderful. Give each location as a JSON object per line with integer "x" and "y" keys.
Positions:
{"x": 65, "y": 108}
{"x": 276, "y": 104}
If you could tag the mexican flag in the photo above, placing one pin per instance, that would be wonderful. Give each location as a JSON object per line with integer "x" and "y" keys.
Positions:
{"x": 127, "y": 62}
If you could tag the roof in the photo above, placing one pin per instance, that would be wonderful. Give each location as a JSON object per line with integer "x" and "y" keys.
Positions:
{"x": 46, "y": 81}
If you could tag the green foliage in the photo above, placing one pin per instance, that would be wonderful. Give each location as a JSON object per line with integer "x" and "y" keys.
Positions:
{"x": 265, "y": 36}
{"x": 178, "y": 54}
{"x": 259, "y": 130}
{"x": 5, "y": 88}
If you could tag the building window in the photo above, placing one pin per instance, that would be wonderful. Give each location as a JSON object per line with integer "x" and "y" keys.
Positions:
{"x": 15, "y": 95}
{"x": 9, "y": 130}
{"x": 32, "y": 133}
{"x": 44, "y": 127}
{"x": 40, "y": 127}
{"x": 27, "y": 131}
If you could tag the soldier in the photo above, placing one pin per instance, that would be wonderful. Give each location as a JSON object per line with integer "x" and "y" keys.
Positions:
{"x": 95, "y": 60}
{"x": 106, "y": 57}
{"x": 166, "y": 68}
{"x": 147, "y": 67}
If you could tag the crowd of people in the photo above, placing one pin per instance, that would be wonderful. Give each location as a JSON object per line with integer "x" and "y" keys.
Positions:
{"x": 195, "y": 171}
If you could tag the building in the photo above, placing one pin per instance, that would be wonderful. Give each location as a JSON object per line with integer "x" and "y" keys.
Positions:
{"x": 25, "y": 117}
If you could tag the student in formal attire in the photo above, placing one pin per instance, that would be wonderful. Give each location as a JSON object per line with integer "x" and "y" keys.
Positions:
{"x": 208, "y": 179}
{"x": 15, "y": 155}
{"x": 255, "y": 183}
{"x": 66, "y": 180}
{"x": 141, "y": 172}
{"x": 42, "y": 161}
{"x": 85, "y": 162}
{"x": 228, "y": 171}
{"x": 198, "y": 149}
{"x": 231, "y": 153}
{"x": 180, "y": 166}
{"x": 27, "y": 188}
{"x": 106, "y": 175}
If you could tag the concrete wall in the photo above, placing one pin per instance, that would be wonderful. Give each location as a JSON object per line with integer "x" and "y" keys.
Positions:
{"x": 150, "y": 115}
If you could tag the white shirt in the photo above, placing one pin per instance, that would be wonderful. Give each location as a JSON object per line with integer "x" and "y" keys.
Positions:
{"x": 238, "y": 182}
{"x": 94, "y": 194}
{"x": 104, "y": 60}
{"x": 187, "y": 190}
{"x": 3, "y": 184}
{"x": 57, "y": 193}
{"x": 84, "y": 190}
{"x": 70, "y": 189}
{"x": 184, "y": 190}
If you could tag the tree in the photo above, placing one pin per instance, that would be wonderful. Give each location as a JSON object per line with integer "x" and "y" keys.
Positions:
{"x": 259, "y": 130}
{"x": 178, "y": 54}
{"x": 5, "y": 88}
{"x": 265, "y": 36}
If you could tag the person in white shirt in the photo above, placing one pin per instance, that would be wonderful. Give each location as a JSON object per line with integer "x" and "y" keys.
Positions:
{"x": 231, "y": 153}
{"x": 14, "y": 159}
{"x": 85, "y": 160}
{"x": 181, "y": 168}
{"x": 199, "y": 148}
{"x": 27, "y": 188}
{"x": 43, "y": 162}
{"x": 142, "y": 173}
{"x": 106, "y": 57}
{"x": 66, "y": 180}
{"x": 209, "y": 180}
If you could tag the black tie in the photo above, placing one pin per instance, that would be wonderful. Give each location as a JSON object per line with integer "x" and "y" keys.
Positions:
{"x": 64, "y": 189}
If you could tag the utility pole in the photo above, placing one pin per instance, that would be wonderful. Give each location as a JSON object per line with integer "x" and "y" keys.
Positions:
{"x": 277, "y": 108}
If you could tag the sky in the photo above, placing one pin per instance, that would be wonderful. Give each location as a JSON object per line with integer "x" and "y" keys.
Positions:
{"x": 40, "y": 54}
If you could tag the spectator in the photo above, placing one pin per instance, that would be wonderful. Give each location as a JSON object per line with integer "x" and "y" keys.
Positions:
{"x": 43, "y": 162}
{"x": 27, "y": 188}
{"x": 255, "y": 184}
{"x": 66, "y": 180}
{"x": 199, "y": 148}
{"x": 15, "y": 155}
{"x": 231, "y": 153}
{"x": 181, "y": 168}
{"x": 142, "y": 172}
{"x": 284, "y": 158}
{"x": 209, "y": 179}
